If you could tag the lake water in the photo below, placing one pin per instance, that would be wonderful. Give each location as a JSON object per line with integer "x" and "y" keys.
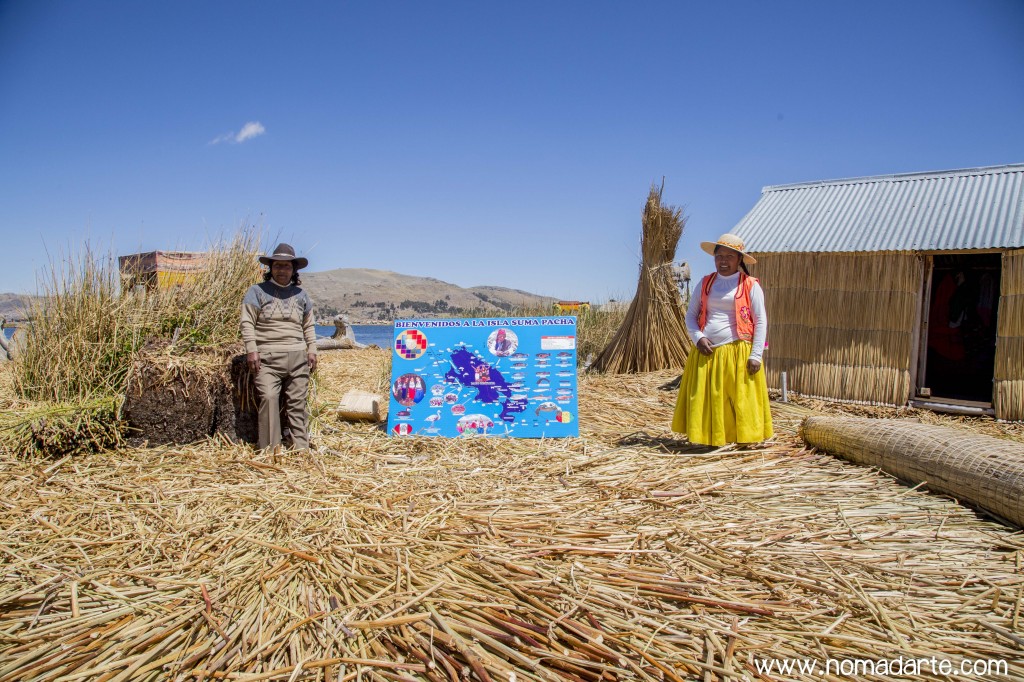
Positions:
{"x": 379, "y": 334}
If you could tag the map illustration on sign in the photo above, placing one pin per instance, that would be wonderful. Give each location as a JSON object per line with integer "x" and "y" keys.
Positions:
{"x": 485, "y": 377}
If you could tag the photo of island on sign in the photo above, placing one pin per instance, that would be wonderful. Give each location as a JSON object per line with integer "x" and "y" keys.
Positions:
{"x": 486, "y": 377}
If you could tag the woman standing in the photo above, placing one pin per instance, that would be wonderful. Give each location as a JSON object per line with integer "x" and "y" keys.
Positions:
{"x": 723, "y": 396}
{"x": 280, "y": 344}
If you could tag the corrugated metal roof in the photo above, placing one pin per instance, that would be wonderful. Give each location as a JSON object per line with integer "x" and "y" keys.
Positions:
{"x": 973, "y": 208}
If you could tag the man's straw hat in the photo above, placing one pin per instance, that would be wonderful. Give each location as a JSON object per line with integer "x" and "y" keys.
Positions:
{"x": 285, "y": 252}
{"x": 729, "y": 241}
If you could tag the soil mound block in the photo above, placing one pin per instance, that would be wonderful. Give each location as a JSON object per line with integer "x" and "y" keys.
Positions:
{"x": 184, "y": 397}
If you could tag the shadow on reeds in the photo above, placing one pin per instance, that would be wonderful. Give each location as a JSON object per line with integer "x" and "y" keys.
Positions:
{"x": 671, "y": 385}
{"x": 672, "y": 446}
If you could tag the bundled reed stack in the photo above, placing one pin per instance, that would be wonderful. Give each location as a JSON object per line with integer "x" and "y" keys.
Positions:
{"x": 653, "y": 333}
{"x": 196, "y": 384}
{"x": 86, "y": 330}
{"x": 980, "y": 470}
{"x": 1008, "y": 394}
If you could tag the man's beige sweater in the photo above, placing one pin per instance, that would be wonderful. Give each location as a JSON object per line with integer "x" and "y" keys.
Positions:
{"x": 277, "y": 318}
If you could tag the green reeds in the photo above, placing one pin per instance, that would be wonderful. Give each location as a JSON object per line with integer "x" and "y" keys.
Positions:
{"x": 72, "y": 350}
{"x": 86, "y": 330}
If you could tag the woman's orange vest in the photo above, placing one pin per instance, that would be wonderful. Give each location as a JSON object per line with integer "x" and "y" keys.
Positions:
{"x": 744, "y": 317}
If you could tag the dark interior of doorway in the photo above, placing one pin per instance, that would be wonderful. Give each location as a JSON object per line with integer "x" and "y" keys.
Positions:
{"x": 962, "y": 326}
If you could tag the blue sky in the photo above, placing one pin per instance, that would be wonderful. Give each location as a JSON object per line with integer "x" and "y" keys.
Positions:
{"x": 502, "y": 143}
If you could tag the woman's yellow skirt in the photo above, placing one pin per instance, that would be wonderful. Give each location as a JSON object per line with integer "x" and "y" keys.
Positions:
{"x": 719, "y": 401}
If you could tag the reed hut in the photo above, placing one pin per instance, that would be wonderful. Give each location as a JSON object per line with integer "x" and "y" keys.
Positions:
{"x": 160, "y": 269}
{"x": 897, "y": 289}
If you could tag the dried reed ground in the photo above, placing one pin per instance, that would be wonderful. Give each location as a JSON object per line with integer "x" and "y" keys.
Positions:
{"x": 618, "y": 555}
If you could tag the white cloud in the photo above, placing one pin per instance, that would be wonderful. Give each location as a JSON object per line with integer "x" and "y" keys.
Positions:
{"x": 249, "y": 130}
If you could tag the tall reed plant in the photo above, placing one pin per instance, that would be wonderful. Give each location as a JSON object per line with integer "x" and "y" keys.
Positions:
{"x": 86, "y": 329}
{"x": 595, "y": 329}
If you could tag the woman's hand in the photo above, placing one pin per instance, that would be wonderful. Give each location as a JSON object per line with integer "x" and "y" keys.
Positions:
{"x": 311, "y": 358}
{"x": 753, "y": 366}
{"x": 704, "y": 346}
{"x": 253, "y": 360}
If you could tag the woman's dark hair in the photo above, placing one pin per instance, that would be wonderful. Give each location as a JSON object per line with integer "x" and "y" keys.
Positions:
{"x": 295, "y": 277}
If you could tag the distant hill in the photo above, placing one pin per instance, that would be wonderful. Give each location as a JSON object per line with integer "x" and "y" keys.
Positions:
{"x": 380, "y": 295}
{"x": 14, "y": 307}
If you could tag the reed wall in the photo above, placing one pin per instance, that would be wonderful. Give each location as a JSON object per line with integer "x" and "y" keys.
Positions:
{"x": 841, "y": 325}
{"x": 1008, "y": 399}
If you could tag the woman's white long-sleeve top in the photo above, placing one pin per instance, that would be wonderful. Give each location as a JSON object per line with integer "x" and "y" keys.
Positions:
{"x": 720, "y": 328}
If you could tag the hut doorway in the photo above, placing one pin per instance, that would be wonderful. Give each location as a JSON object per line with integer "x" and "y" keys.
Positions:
{"x": 961, "y": 338}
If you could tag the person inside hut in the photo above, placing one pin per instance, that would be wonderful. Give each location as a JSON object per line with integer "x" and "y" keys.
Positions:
{"x": 280, "y": 343}
{"x": 723, "y": 396}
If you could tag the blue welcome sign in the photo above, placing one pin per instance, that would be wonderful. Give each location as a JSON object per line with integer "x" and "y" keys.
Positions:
{"x": 498, "y": 377}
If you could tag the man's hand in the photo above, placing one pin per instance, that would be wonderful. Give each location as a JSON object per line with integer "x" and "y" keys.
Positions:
{"x": 311, "y": 358}
{"x": 704, "y": 346}
{"x": 253, "y": 360}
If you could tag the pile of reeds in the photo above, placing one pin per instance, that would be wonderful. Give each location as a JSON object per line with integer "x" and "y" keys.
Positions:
{"x": 1009, "y": 368}
{"x": 842, "y": 324}
{"x": 976, "y": 469}
{"x": 653, "y": 334}
{"x": 63, "y": 429}
{"x": 608, "y": 557}
{"x": 972, "y": 424}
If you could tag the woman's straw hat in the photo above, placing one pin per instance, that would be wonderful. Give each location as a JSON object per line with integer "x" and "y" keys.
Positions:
{"x": 285, "y": 252}
{"x": 729, "y": 241}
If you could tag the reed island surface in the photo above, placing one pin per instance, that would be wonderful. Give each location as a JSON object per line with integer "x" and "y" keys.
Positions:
{"x": 622, "y": 554}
